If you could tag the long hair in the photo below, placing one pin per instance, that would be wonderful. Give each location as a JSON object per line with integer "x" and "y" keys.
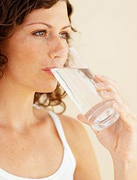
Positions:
{"x": 12, "y": 14}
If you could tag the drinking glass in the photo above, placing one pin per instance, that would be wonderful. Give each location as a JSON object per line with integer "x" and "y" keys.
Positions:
{"x": 79, "y": 82}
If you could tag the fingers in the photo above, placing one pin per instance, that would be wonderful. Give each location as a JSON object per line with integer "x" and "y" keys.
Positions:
{"x": 109, "y": 90}
{"x": 83, "y": 119}
{"x": 107, "y": 87}
{"x": 104, "y": 78}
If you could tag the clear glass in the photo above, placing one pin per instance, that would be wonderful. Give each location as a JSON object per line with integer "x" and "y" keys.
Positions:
{"x": 79, "y": 83}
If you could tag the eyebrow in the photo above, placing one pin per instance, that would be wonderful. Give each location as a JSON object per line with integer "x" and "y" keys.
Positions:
{"x": 48, "y": 25}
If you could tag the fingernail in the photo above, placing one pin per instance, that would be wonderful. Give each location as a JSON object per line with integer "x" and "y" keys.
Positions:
{"x": 99, "y": 76}
{"x": 104, "y": 93}
{"x": 99, "y": 85}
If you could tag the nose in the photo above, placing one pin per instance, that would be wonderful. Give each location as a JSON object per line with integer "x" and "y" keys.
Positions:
{"x": 57, "y": 47}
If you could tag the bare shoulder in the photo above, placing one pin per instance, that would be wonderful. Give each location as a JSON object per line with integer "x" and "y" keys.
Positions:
{"x": 81, "y": 146}
{"x": 72, "y": 125}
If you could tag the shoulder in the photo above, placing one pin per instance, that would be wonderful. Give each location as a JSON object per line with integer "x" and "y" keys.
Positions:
{"x": 81, "y": 146}
{"x": 71, "y": 124}
{"x": 74, "y": 130}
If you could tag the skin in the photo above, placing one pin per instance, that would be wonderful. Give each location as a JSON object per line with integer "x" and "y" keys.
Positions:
{"x": 121, "y": 136}
{"x": 30, "y": 132}
{"x": 28, "y": 54}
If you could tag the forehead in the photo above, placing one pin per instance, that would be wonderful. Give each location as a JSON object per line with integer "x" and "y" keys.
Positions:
{"x": 55, "y": 15}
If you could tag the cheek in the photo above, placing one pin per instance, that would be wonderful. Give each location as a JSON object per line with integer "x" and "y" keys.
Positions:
{"x": 27, "y": 54}
{"x": 25, "y": 61}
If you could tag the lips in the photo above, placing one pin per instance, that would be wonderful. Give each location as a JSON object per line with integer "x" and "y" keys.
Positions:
{"x": 48, "y": 69}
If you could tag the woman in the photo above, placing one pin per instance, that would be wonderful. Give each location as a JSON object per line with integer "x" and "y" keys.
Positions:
{"x": 36, "y": 143}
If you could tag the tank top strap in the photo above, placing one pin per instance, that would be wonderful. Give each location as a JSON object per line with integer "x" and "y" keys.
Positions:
{"x": 59, "y": 128}
{"x": 61, "y": 133}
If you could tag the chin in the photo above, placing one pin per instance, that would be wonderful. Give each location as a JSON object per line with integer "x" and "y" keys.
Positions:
{"x": 49, "y": 88}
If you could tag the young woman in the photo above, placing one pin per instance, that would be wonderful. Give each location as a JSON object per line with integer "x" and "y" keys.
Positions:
{"x": 37, "y": 143}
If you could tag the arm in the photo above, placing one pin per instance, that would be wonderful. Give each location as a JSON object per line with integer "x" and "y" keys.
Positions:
{"x": 120, "y": 139}
{"x": 87, "y": 167}
{"x": 126, "y": 170}
{"x": 122, "y": 135}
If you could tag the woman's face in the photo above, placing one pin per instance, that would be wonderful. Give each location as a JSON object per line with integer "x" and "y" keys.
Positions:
{"x": 43, "y": 34}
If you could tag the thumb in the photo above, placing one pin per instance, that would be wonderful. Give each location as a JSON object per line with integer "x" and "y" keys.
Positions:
{"x": 82, "y": 118}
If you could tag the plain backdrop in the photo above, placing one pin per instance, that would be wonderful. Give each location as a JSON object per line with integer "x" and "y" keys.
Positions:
{"x": 107, "y": 41}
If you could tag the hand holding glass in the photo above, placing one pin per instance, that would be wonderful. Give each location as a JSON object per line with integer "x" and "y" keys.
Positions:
{"x": 79, "y": 83}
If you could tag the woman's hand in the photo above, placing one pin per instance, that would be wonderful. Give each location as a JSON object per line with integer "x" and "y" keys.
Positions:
{"x": 120, "y": 138}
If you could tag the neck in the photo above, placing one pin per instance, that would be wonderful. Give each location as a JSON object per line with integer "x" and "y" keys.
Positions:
{"x": 16, "y": 106}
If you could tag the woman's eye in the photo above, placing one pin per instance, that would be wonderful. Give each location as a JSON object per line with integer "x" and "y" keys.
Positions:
{"x": 40, "y": 33}
{"x": 65, "y": 35}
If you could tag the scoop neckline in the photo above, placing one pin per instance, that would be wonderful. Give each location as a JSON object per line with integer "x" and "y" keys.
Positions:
{"x": 5, "y": 174}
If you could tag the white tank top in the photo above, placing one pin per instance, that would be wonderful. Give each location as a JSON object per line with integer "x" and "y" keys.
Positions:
{"x": 68, "y": 165}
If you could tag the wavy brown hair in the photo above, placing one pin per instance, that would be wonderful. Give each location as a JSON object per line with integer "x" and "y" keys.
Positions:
{"x": 13, "y": 14}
